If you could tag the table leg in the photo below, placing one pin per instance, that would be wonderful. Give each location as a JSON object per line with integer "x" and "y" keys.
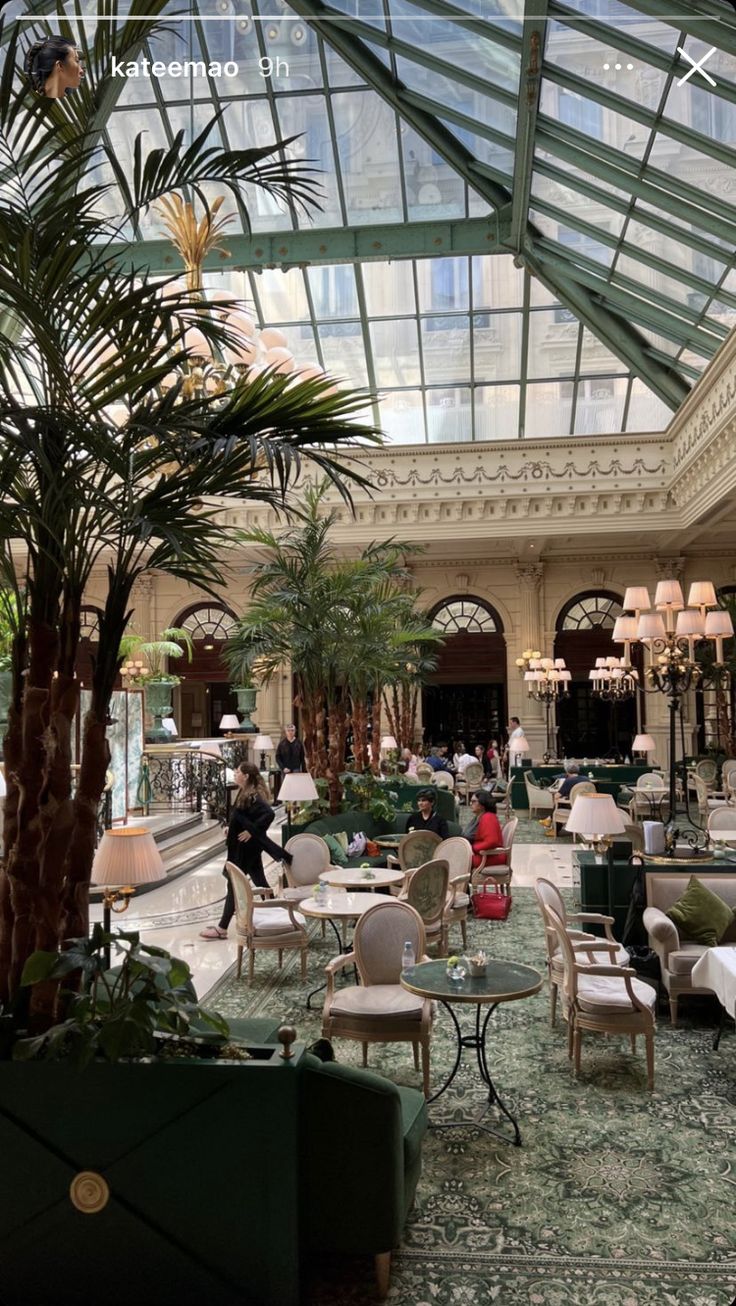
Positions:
{"x": 477, "y": 1042}
{"x": 723, "y": 1017}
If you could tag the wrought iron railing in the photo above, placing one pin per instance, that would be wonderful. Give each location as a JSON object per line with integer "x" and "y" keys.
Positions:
{"x": 184, "y": 779}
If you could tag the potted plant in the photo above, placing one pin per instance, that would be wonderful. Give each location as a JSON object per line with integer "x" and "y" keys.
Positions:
{"x": 114, "y": 1108}
{"x": 246, "y": 693}
{"x": 159, "y": 683}
{"x": 8, "y": 629}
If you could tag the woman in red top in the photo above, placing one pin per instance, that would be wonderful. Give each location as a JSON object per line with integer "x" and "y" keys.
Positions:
{"x": 484, "y": 832}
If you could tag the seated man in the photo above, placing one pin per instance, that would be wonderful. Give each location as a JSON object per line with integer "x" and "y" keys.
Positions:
{"x": 437, "y": 760}
{"x": 572, "y": 777}
{"x": 426, "y": 818}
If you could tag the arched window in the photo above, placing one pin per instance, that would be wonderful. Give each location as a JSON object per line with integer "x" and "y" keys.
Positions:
{"x": 89, "y": 624}
{"x": 466, "y": 615}
{"x": 594, "y": 610}
{"x": 209, "y": 624}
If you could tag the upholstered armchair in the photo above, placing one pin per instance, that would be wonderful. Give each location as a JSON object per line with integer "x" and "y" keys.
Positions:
{"x": 539, "y": 799}
{"x": 310, "y": 857}
{"x": 498, "y": 873}
{"x": 549, "y": 896}
{"x": 379, "y": 1010}
{"x": 415, "y": 848}
{"x": 602, "y": 998}
{"x": 677, "y": 954}
{"x": 270, "y": 923}
{"x": 458, "y": 854}
{"x": 469, "y": 780}
{"x": 426, "y": 890}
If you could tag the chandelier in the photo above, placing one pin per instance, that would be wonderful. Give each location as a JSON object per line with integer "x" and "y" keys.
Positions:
{"x": 547, "y": 681}
{"x": 670, "y": 633}
{"x": 613, "y": 679}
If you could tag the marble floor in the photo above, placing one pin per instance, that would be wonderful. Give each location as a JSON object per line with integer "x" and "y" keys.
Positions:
{"x": 173, "y": 915}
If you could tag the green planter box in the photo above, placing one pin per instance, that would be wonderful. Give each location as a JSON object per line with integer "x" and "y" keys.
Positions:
{"x": 199, "y": 1164}
{"x": 607, "y": 779}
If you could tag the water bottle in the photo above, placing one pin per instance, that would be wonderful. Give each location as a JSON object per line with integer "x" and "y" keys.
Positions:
{"x": 408, "y": 956}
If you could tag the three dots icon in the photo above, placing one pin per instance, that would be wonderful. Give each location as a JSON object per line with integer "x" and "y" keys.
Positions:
{"x": 618, "y": 66}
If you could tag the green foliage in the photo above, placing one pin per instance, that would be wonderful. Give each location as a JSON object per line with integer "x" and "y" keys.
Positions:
{"x": 9, "y": 626}
{"x": 132, "y": 1010}
{"x": 174, "y": 642}
{"x": 366, "y": 793}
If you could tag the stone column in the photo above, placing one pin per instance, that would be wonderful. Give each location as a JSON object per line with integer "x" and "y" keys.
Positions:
{"x": 530, "y": 576}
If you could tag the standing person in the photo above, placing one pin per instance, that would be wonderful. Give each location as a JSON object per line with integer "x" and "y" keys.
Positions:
{"x": 484, "y": 831}
{"x": 515, "y": 732}
{"x": 290, "y": 752}
{"x": 426, "y": 818}
{"x": 492, "y": 759}
{"x": 53, "y": 67}
{"x": 247, "y": 840}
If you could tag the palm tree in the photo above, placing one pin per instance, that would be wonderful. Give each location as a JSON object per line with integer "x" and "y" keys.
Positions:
{"x": 346, "y": 626}
{"x": 106, "y": 465}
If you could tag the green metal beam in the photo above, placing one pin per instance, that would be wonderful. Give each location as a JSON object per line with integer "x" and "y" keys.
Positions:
{"x": 621, "y": 301}
{"x": 391, "y": 89}
{"x": 613, "y": 332}
{"x": 642, "y": 51}
{"x": 314, "y": 246}
{"x": 571, "y": 219}
{"x": 712, "y": 23}
{"x": 490, "y": 30}
{"x": 592, "y": 159}
{"x": 530, "y": 84}
{"x": 638, "y": 113}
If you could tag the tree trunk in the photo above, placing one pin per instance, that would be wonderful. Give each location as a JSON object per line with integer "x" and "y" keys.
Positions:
{"x": 376, "y": 731}
{"x": 392, "y": 715}
{"x": 13, "y": 751}
{"x": 337, "y": 727}
{"x": 360, "y": 734}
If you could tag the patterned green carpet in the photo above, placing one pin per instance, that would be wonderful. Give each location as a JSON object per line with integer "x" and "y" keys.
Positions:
{"x": 617, "y": 1197}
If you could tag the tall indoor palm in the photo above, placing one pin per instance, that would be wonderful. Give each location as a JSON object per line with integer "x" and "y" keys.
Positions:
{"x": 106, "y": 465}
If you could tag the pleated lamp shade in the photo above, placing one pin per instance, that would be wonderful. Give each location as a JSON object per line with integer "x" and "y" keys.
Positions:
{"x": 127, "y": 856}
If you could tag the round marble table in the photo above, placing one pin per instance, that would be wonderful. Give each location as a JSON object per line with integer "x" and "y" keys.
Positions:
{"x": 504, "y": 981}
{"x": 338, "y": 906}
{"x": 352, "y": 877}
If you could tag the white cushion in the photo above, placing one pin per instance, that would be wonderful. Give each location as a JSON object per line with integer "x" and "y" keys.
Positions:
{"x": 276, "y": 920}
{"x": 602, "y": 993}
{"x": 296, "y": 895}
{"x": 461, "y": 900}
{"x": 384, "y": 1000}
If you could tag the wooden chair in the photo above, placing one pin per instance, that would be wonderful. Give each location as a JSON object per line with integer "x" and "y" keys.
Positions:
{"x": 498, "y": 873}
{"x": 310, "y": 857}
{"x": 563, "y": 806}
{"x": 649, "y": 799}
{"x": 443, "y": 780}
{"x": 722, "y": 818}
{"x": 458, "y": 854}
{"x": 415, "y": 848}
{"x": 427, "y": 891}
{"x": 539, "y": 799}
{"x": 379, "y": 1010}
{"x": 603, "y": 999}
{"x": 270, "y": 923}
{"x": 425, "y": 773}
{"x": 469, "y": 780}
{"x": 548, "y": 895}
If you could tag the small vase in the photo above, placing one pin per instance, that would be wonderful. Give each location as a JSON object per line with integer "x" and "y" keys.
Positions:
{"x": 246, "y": 704}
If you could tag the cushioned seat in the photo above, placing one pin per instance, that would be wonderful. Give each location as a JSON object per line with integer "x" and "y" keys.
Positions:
{"x": 275, "y": 921}
{"x": 378, "y": 1000}
{"x": 601, "y": 993}
{"x": 683, "y": 959}
{"x": 619, "y": 958}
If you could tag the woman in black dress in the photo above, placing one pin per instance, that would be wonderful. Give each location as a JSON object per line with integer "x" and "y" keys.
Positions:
{"x": 247, "y": 840}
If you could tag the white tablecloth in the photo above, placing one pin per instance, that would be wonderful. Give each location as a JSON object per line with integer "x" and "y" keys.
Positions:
{"x": 716, "y": 970}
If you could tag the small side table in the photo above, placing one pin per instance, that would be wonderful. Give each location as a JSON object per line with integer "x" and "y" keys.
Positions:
{"x": 504, "y": 981}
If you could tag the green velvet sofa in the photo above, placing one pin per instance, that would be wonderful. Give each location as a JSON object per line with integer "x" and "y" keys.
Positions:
{"x": 175, "y": 1181}
{"x": 361, "y": 1158}
{"x": 353, "y": 823}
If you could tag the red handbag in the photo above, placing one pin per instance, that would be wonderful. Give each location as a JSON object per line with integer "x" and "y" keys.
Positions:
{"x": 491, "y": 906}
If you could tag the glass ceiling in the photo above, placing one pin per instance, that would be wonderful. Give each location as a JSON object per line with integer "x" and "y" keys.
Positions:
{"x": 543, "y": 212}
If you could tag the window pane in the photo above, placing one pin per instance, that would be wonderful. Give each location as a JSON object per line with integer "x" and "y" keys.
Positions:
{"x": 389, "y": 288}
{"x": 497, "y": 412}
{"x": 449, "y": 415}
{"x": 548, "y": 410}
{"x": 396, "y": 353}
{"x": 553, "y": 342}
{"x": 446, "y": 346}
{"x": 497, "y": 345}
{"x": 402, "y": 416}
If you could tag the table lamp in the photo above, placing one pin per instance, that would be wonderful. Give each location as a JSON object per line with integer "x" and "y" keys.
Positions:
{"x": 229, "y": 722}
{"x": 264, "y": 743}
{"x": 125, "y": 857}
{"x": 296, "y": 787}
{"x": 519, "y": 746}
{"x": 388, "y": 744}
{"x": 596, "y": 818}
{"x": 643, "y": 744}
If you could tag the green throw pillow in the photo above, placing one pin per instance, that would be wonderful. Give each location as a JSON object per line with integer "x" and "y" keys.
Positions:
{"x": 701, "y": 915}
{"x": 337, "y": 853}
{"x": 342, "y": 839}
